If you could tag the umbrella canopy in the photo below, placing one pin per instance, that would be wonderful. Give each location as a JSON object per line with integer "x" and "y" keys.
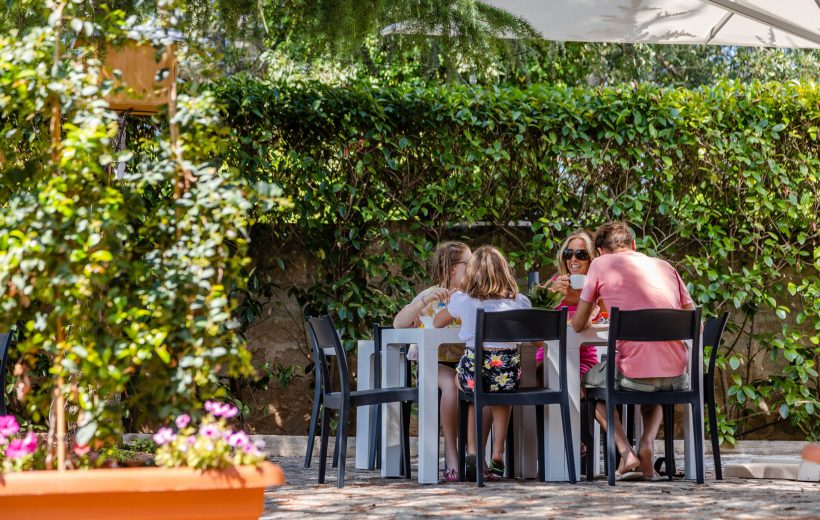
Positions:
{"x": 757, "y": 23}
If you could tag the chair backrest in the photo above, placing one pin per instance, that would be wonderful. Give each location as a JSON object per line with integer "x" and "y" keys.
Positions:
{"x": 520, "y": 326}
{"x": 712, "y": 334}
{"x": 5, "y": 345}
{"x": 327, "y": 344}
{"x": 649, "y": 325}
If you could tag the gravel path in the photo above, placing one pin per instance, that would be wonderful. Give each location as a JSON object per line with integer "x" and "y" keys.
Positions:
{"x": 367, "y": 495}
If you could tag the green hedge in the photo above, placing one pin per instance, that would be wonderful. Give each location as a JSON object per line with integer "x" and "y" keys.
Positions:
{"x": 721, "y": 181}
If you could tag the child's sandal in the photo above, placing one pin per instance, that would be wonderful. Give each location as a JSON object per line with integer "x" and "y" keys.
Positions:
{"x": 450, "y": 475}
{"x": 497, "y": 469}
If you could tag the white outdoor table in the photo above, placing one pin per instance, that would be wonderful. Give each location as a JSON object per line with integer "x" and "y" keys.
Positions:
{"x": 428, "y": 341}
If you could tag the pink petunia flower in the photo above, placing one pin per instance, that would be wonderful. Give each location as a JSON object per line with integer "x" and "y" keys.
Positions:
{"x": 19, "y": 448}
{"x": 164, "y": 436}
{"x": 218, "y": 409}
{"x": 209, "y": 430}
{"x": 8, "y": 425}
{"x": 182, "y": 421}
{"x": 81, "y": 450}
{"x": 239, "y": 439}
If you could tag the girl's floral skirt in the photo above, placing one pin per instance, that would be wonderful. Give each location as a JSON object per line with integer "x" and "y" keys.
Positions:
{"x": 502, "y": 370}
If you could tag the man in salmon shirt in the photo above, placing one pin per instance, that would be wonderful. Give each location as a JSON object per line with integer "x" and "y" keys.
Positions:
{"x": 629, "y": 280}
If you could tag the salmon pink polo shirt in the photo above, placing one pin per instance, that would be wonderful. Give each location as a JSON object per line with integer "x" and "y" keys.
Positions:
{"x": 630, "y": 281}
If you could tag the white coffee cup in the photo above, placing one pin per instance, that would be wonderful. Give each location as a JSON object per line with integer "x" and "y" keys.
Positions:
{"x": 427, "y": 321}
{"x": 576, "y": 281}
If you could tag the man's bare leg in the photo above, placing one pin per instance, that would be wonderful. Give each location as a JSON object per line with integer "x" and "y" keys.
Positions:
{"x": 652, "y": 417}
{"x": 629, "y": 460}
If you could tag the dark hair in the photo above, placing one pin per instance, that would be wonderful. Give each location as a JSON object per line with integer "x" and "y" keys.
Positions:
{"x": 613, "y": 236}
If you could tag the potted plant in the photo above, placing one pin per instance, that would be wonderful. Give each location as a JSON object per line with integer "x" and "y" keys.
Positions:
{"x": 118, "y": 285}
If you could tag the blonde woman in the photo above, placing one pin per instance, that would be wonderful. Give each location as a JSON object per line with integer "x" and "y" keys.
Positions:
{"x": 448, "y": 267}
{"x": 573, "y": 257}
{"x": 488, "y": 284}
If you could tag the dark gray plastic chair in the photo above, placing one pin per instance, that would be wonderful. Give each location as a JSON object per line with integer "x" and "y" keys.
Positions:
{"x": 5, "y": 345}
{"x": 519, "y": 326}
{"x": 326, "y": 345}
{"x": 651, "y": 325}
{"x": 712, "y": 335}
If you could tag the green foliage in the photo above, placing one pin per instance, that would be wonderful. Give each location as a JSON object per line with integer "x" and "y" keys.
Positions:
{"x": 137, "y": 280}
{"x": 721, "y": 181}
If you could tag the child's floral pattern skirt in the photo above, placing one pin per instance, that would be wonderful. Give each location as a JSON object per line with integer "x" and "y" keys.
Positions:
{"x": 502, "y": 370}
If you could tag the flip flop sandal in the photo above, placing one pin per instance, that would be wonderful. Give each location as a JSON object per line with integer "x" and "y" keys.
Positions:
{"x": 496, "y": 468}
{"x": 489, "y": 476}
{"x": 629, "y": 476}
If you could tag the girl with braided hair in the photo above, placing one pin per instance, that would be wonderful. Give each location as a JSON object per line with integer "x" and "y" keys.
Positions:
{"x": 449, "y": 264}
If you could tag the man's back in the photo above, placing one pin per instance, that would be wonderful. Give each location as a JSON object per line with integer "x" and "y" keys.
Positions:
{"x": 630, "y": 280}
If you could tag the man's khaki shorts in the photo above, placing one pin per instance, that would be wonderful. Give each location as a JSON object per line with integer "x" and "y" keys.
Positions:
{"x": 596, "y": 378}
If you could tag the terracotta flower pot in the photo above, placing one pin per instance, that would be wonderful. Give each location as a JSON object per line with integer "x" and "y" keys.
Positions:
{"x": 138, "y": 493}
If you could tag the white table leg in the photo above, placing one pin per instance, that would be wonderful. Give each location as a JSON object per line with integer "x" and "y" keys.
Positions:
{"x": 688, "y": 432}
{"x": 391, "y": 413}
{"x": 428, "y": 415}
{"x": 554, "y": 436}
{"x": 364, "y": 381}
{"x": 526, "y": 465}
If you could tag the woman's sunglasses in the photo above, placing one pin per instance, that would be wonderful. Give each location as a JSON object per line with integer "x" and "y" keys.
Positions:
{"x": 580, "y": 254}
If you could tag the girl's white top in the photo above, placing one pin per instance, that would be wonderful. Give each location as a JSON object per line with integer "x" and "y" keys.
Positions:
{"x": 464, "y": 307}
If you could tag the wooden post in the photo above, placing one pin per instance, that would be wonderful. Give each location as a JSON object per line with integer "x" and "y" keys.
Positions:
{"x": 56, "y": 143}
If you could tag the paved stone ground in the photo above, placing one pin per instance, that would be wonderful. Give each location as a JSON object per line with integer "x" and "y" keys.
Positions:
{"x": 367, "y": 495}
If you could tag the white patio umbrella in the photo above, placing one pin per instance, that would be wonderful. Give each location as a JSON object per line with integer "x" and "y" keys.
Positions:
{"x": 762, "y": 23}
{"x": 756, "y": 23}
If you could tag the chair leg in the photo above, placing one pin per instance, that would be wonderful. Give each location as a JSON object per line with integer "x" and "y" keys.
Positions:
{"x": 713, "y": 433}
{"x": 336, "y": 446}
{"x": 610, "y": 443}
{"x": 592, "y": 448}
{"x": 669, "y": 439}
{"x": 341, "y": 443}
{"x": 539, "y": 435}
{"x": 405, "y": 440}
{"x": 462, "y": 439}
{"x": 480, "y": 448}
{"x": 697, "y": 427}
{"x": 509, "y": 450}
{"x": 314, "y": 418}
{"x": 325, "y": 428}
{"x": 569, "y": 452}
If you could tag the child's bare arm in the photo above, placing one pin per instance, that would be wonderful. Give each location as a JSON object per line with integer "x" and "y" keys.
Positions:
{"x": 443, "y": 318}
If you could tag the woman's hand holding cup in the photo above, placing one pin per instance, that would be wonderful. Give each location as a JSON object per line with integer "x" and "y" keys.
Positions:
{"x": 559, "y": 284}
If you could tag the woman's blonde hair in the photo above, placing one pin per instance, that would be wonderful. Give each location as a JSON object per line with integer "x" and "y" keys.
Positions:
{"x": 489, "y": 276}
{"x": 447, "y": 255}
{"x": 559, "y": 256}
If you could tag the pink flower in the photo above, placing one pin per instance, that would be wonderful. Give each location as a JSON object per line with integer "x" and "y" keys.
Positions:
{"x": 218, "y": 409}
{"x": 8, "y": 425}
{"x": 239, "y": 439}
{"x": 209, "y": 430}
{"x": 19, "y": 448}
{"x": 191, "y": 439}
{"x": 182, "y": 421}
{"x": 164, "y": 436}
{"x": 81, "y": 450}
